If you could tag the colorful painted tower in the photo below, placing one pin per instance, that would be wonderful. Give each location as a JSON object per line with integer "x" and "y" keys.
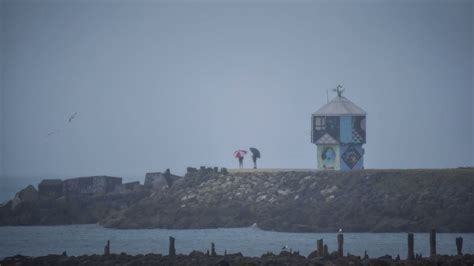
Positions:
{"x": 338, "y": 130}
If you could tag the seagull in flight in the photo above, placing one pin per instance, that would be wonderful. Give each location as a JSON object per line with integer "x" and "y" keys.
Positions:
{"x": 72, "y": 117}
{"x": 53, "y": 132}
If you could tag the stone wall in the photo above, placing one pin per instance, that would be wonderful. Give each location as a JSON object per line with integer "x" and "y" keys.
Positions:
{"x": 50, "y": 188}
{"x": 131, "y": 185}
{"x": 155, "y": 180}
{"x": 90, "y": 185}
{"x": 159, "y": 180}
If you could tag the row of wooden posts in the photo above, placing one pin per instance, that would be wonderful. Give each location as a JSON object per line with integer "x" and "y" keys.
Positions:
{"x": 323, "y": 249}
{"x": 171, "y": 251}
{"x": 411, "y": 254}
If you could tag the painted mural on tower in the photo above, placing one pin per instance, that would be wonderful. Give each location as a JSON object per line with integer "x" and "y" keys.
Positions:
{"x": 338, "y": 130}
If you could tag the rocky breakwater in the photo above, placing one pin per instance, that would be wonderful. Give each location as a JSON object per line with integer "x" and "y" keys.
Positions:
{"x": 72, "y": 201}
{"x": 198, "y": 258}
{"x": 317, "y": 201}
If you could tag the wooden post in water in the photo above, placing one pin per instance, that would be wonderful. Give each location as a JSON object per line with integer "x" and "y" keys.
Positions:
{"x": 340, "y": 243}
{"x": 459, "y": 245}
{"x": 213, "y": 250}
{"x": 172, "y": 250}
{"x": 107, "y": 248}
{"x": 320, "y": 248}
{"x": 433, "y": 242}
{"x": 411, "y": 254}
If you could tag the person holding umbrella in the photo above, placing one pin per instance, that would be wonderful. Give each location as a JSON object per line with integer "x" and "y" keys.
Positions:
{"x": 255, "y": 156}
{"x": 239, "y": 154}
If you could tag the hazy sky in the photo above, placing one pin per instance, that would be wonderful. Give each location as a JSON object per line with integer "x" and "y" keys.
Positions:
{"x": 168, "y": 85}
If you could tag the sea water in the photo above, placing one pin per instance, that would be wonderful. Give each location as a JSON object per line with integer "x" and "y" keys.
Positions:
{"x": 91, "y": 238}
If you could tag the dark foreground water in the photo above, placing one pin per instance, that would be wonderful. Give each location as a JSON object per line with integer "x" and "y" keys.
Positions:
{"x": 90, "y": 239}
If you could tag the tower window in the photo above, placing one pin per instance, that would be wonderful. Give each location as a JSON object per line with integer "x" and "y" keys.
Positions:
{"x": 320, "y": 123}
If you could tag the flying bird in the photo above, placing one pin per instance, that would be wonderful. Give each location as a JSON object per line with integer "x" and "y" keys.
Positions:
{"x": 72, "y": 117}
{"x": 53, "y": 132}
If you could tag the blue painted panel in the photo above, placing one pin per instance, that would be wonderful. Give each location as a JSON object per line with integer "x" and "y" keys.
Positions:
{"x": 346, "y": 129}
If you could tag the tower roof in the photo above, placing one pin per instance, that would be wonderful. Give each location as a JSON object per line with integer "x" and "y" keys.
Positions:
{"x": 338, "y": 106}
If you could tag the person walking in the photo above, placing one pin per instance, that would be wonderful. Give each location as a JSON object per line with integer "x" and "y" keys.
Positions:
{"x": 239, "y": 154}
{"x": 255, "y": 156}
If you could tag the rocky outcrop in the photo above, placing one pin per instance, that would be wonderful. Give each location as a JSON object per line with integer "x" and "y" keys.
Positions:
{"x": 322, "y": 201}
{"x": 27, "y": 195}
{"x": 298, "y": 201}
{"x": 72, "y": 209}
{"x": 199, "y": 258}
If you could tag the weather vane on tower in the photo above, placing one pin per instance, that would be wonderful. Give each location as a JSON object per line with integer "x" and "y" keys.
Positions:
{"x": 339, "y": 90}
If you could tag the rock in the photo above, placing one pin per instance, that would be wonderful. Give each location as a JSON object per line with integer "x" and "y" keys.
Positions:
{"x": 284, "y": 254}
{"x": 260, "y": 198}
{"x": 385, "y": 257}
{"x": 188, "y": 197}
{"x": 199, "y": 258}
{"x": 205, "y": 199}
{"x": 190, "y": 170}
{"x": 5, "y": 204}
{"x": 28, "y": 194}
{"x": 328, "y": 191}
{"x": 196, "y": 254}
{"x": 330, "y": 198}
{"x": 313, "y": 255}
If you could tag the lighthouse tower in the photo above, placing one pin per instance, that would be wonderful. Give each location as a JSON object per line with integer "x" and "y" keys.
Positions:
{"x": 338, "y": 130}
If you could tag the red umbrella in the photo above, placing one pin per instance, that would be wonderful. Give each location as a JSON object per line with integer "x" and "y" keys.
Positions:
{"x": 239, "y": 153}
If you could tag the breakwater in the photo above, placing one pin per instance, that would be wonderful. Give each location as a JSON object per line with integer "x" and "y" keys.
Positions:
{"x": 295, "y": 201}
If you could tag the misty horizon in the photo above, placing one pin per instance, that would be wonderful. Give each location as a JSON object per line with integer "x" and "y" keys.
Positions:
{"x": 159, "y": 85}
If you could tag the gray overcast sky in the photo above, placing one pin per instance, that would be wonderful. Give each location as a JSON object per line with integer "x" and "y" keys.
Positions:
{"x": 160, "y": 85}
